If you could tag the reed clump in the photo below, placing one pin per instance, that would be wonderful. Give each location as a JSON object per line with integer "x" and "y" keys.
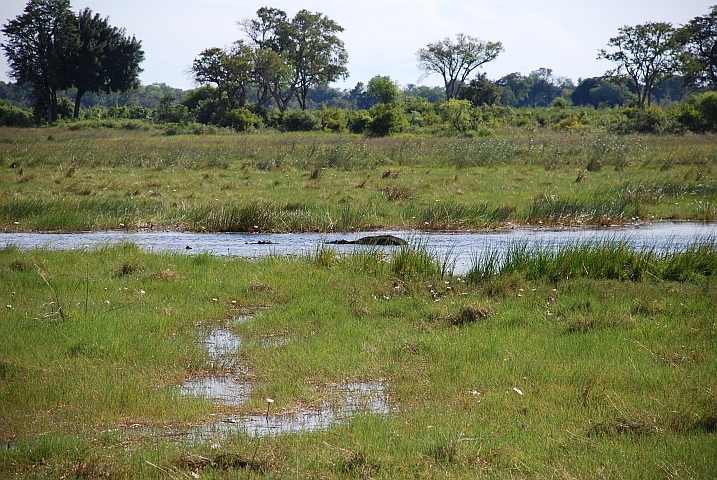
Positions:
{"x": 609, "y": 260}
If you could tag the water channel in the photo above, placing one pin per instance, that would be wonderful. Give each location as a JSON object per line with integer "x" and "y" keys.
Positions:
{"x": 461, "y": 247}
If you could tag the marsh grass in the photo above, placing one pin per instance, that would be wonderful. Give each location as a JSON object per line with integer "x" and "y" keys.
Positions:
{"x": 548, "y": 209}
{"x": 452, "y": 215}
{"x": 582, "y": 349}
{"x": 613, "y": 350}
{"x": 101, "y": 178}
{"x": 610, "y": 260}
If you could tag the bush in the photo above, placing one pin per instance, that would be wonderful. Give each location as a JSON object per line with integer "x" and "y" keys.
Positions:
{"x": 456, "y": 113}
{"x": 357, "y": 121}
{"x": 140, "y": 113}
{"x": 240, "y": 119}
{"x": 386, "y": 120}
{"x": 707, "y": 107}
{"x": 333, "y": 119}
{"x": 650, "y": 120}
{"x": 206, "y": 109}
{"x": 689, "y": 117}
{"x": 117, "y": 111}
{"x": 169, "y": 113}
{"x": 561, "y": 102}
{"x": 11, "y": 116}
{"x": 299, "y": 121}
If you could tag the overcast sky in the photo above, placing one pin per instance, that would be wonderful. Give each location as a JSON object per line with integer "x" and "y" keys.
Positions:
{"x": 382, "y": 36}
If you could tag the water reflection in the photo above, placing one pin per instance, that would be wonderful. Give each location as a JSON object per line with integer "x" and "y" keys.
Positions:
{"x": 229, "y": 387}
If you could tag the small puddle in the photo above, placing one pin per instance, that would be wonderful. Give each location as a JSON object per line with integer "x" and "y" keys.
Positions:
{"x": 353, "y": 399}
{"x": 222, "y": 345}
{"x": 225, "y": 390}
{"x": 229, "y": 389}
{"x": 222, "y": 342}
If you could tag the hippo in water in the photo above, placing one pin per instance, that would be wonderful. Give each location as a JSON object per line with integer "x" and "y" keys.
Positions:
{"x": 372, "y": 240}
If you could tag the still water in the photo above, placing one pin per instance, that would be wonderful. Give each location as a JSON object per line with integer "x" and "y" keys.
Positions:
{"x": 461, "y": 247}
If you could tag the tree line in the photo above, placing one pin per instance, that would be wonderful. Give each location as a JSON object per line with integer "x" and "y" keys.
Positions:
{"x": 286, "y": 63}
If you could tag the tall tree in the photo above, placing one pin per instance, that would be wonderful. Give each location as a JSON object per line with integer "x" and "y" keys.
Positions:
{"x": 320, "y": 54}
{"x": 384, "y": 89}
{"x": 104, "y": 60}
{"x": 544, "y": 88}
{"x": 307, "y": 45}
{"x": 516, "y": 88}
{"x": 40, "y": 41}
{"x": 581, "y": 94}
{"x": 455, "y": 61}
{"x": 274, "y": 78}
{"x": 699, "y": 36}
{"x": 648, "y": 54}
{"x": 230, "y": 70}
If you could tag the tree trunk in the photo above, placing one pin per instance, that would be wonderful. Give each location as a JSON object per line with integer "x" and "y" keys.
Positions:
{"x": 283, "y": 102}
{"x": 52, "y": 106}
{"x": 76, "y": 113}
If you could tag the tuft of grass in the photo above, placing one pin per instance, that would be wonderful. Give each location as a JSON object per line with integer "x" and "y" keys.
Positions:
{"x": 549, "y": 209}
{"x": 598, "y": 260}
{"x": 453, "y": 215}
{"x": 471, "y": 314}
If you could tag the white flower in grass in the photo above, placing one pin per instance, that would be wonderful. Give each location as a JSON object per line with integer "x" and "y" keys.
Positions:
{"x": 517, "y": 390}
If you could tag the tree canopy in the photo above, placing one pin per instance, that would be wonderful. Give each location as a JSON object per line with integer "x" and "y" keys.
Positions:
{"x": 699, "y": 37}
{"x": 480, "y": 91}
{"x": 455, "y": 61}
{"x": 229, "y": 70}
{"x": 53, "y": 49}
{"x": 40, "y": 41}
{"x": 646, "y": 54}
{"x": 384, "y": 89}
{"x": 294, "y": 55}
{"x": 103, "y": 60}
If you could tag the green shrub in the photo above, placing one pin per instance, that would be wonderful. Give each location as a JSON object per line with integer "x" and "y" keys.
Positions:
{"x": 11, "y": 116}
{"x": 357, "y": 121}
{"x": 117, "y": 111}
{"x": 561, "y": 102}
{"x": 299, "y": 121}
{"x": 386, "y": 120}
{"x": 652, "y": 119}
{"x": 689, "y": 117}
{"x": 707, "y": 107}
{"x": 456, "y": 113}
{"x": 333, "y": 119}
{"x": 240, "y": 119}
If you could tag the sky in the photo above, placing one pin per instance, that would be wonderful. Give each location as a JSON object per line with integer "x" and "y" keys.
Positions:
{"x": 382, "y": 36}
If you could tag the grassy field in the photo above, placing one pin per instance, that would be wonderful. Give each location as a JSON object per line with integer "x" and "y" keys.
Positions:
{"x": 592, "y": 362}
{"x": 60, "y": 179}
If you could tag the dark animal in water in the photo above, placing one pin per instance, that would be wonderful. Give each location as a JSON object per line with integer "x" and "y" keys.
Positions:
{"x": 372, "y": 240}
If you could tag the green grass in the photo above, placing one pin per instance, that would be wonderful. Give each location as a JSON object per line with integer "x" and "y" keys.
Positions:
{"x": 63, "y": 179}
{"x": 596, "y": 260}
{"x": 617, "y": 371}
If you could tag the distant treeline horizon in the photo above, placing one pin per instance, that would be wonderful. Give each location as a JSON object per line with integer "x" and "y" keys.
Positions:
{"x": 538, "y": 89}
